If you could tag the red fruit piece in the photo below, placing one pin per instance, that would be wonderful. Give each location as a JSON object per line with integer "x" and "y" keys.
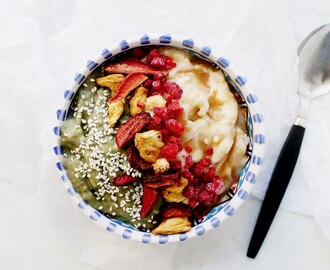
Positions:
{"x": 175, "y": 127}
{"x": 160, "y": 112}
{"x": 175, "y": 140}
{"x": 173, "y": 90}
{"x": 164, "y": 180}
{"x": 190, "y": 177}
{"x": 189, "y": 161}
{"x": 189, "y": 192}
{"x": 131, "y": 65}
{"x": 138, "y": 53}
{"x": 156, "y": 85}
{"x": 123, "y": 180}
{"x": 205, "y": 197}
{"x": 197, "y": 169}
{"x": 209, "y": 151}
{"x": 149, "y": 198}
{"x": 208, "y": 176}
{"x": 175, "y": 109}
{"x": 176, "y": 165}
{"x": 136, "y": 161}
{"x": 177, "y": 210}
{"x": 159, "y": 62}
{"x": 170, "y": 151}
{"x": 201, "y": 211}
{"x": 130, "y": 82}
{"x": 147, "y": 83}
{"x": 188, "y": 149}
{"x": 193, "y": 203}
{"x": 127, "y": 131}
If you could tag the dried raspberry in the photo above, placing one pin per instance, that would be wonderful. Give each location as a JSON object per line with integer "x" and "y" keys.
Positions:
{"x": 156, "y": 85}
{"x": 154, "y": 52}
{"x": 176, "y": 141}
{"x": 170, "y": 64}
{"x": 201, "y": 211}
{"x": 138, "y": 53}
{"x": 158, "y": 76}
{"x": 158, "y": 62}
{"x": 147, "y": 83}
{"x": 155, "y": 123}
{"x": 176, "y": 165}
{"x": 170, "y": 151}
{"x": 173, "y": 90}
{"x": 166, "y": 133}
{"x": 189, "y": 161}
{"x": 188, "y": 149}
{"x": 214, "y": 186}
{"x": 175, "y": 127}
{"x": 193, "y": 203}
{"x": 209, "y": 151}
{"x": 197, "y": 169}
{"x": 161, "y": 112}
{"x": 175, "y": 110}
{"x": 205, "y": 161}
{"x": 189, "y": 192}
{"x": 190, "y": 177}
{"x": 208, "y": 176}
{"x": 205, "y": 197}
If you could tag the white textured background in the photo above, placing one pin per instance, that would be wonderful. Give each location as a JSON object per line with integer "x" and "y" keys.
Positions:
{"x": 44, "y": 43}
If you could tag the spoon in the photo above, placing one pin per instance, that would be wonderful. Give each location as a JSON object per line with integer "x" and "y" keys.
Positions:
{"x": 314, "y": 81}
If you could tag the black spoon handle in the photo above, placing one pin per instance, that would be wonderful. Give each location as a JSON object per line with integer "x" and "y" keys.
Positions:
{"x": 277, "y": 186}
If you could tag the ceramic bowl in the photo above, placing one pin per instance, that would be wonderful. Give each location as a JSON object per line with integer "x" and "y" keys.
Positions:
{"x": 254, "y": 126}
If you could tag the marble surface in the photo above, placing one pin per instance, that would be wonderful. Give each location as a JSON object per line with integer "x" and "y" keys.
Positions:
{"x": 40, "y": 228}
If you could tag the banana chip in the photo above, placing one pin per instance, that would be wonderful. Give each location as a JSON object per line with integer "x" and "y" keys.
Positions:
{"x": 173, "y": 226}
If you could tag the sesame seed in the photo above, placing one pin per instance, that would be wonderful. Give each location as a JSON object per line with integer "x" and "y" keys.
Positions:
{"x": 85, "y": 84}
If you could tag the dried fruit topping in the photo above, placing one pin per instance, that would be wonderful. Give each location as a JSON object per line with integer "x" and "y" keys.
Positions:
{"x": 159, "y": 61}
{"x": 170, "y": 151}
{"x": 176, "y": 165}
{"x": 140, "y": 96}
{"x": 205, "y": 197}
{"x": 189, "y": 161}
{"x": 132, "y": 65}
{"x": 138, "y": 53}
{"x": 127, "y": 131}
{"x": 164, "y": 180}
{"x": 161, "y": 165}
{"x": 123, "y": 180}
{"x": 177, "y": 210}
{"x": 149, "y": 198}
{"x": 188, "y": 149}
{"x": 208, "y": 176}
{"x": 149, "y": 144}
{"x": 173, "y": 226}
{"x": 111, "y": 81}
{"x": 173, "y": 90}
{"x": 155, "y": 101}
{"x": 209, "y": 151}
{"x": 136, "y": 161}
{"x": 175, "y": 127}
{"x": 130, "y": 82}
{"x": 200, "y": 211}
{"x": 174, "y": 193}
{"x": 175, "y": 140}
{"x": 174, "y": 109}
{"x": 115, "y": 110}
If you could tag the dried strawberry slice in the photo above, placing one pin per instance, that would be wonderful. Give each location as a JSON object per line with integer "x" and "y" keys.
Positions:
{"x": 130, "y": 82}
{"x": 177, "y": 210}
{"x": 164, "y": 180}
{"x": 201, "y": 211}
{"x": 149, "y": 198}
{"x": 123, "y": 180}
{"x": 136, "y": 161}
{"x": 127, "y": 131}
{"x": 131, "y": 65}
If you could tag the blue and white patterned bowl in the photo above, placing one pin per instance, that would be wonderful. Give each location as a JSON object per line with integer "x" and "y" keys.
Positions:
{"x": 247, "y": 177}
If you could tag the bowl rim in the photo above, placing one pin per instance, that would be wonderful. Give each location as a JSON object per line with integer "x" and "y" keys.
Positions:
{"x": 248, "y": 176}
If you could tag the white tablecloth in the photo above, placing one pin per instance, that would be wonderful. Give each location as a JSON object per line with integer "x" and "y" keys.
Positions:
{"x": 44, "y": 43}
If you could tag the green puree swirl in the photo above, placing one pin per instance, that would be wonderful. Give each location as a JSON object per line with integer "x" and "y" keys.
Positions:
{"x": 92, "y": 158}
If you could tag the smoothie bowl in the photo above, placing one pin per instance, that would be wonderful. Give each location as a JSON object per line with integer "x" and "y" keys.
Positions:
{"x": 159, "y": 140}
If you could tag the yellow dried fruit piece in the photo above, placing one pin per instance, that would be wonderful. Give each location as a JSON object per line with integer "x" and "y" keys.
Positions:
{"x": 174, "y": 193}
{"x": 161, "y": 165}
{"x": 115, "y": 111}
{"x": 140, "y": 95}
{"x": 111, "y": 81}
{"x": 149, "y": 144}
{"x": 173, "y": 226}
{"x": 155, "y": 101}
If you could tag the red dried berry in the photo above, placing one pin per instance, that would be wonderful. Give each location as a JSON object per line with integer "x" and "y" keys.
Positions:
{"x": 209, "y": 151}
{"x": 161, "y": 112}
{"x": 188, "y": 149}
{"x": 176, "y": 141}
{"x": 189, "y": 192}
{"x": 156, "y": 85}
{"x": 205, "y": 197}
{"x": 135, "y": 160}
{"x": 173, "y": 90}
{"x": 193, "y": 203}
{"x": 197, "y": 169}
{"x": 147, "y": 83}
{"x": 205, "y": 161}
{"x": 170, "y": 151}
{"x": 174, "y": 109}
{"x": 189, "y": 161}
{"x": 170, "y": 64}
{"x": 154, "y": 52}
{"x": 175, "y": 127}
{"x": 190, "y": 177}
{"x": 158, "y": 76}
{"x": 176, "y": 165}
{"x": 158, "y": 62}
{"x": 138, "y": 53}
{"x": 208, "y": 176}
